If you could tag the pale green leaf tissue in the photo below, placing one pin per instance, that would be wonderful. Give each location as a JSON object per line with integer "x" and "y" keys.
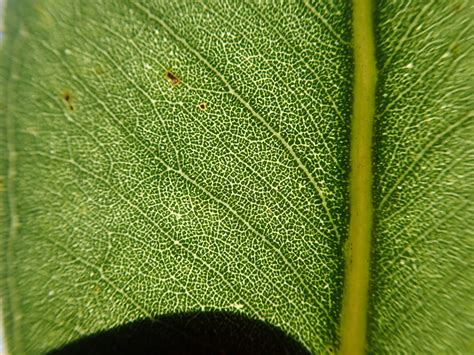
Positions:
{"x": 173, "y": 156}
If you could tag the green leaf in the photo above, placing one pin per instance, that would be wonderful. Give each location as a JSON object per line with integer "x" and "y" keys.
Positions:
{"x": 170, "y": 157}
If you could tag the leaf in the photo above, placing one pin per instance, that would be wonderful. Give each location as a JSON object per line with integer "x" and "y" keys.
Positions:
{"x": 169, "y": 157}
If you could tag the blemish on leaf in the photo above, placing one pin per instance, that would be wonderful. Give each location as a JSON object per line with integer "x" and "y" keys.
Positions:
{"x": 172, "y": 78}
{"x": 458, "y": 7}
{"x": 202, "y": 106}
{"x": 330, "y": 350}
{"x": 454, "y": 49}
{"x": 44, "y": 16}
{"x": 98, "y": 70}
{"x": 67, "y": 97}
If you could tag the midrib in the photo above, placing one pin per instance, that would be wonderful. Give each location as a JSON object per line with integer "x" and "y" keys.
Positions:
{"x": 356, "y": 280}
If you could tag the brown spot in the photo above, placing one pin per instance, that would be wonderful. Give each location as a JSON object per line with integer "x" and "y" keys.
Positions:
{"x": 42, "y": 14}
{"x": 98, "y": 70}
{"x": 173, "y": 79}
{"x": 454, "y": 48}
{"x": 67, "y": 97}
{"x": 202, "y": 106}
{"x": 458, "y": 7}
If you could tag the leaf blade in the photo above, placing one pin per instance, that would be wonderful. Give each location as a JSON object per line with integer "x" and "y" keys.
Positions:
{"x": 137, "y": 224}
{"x": 424, "y": 164}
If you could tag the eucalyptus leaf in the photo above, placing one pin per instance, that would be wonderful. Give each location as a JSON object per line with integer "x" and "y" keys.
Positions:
{"x": 167, "y": 157}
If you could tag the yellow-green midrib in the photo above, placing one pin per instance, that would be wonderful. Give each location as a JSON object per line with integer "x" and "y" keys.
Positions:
{"x": 355, "y": 299}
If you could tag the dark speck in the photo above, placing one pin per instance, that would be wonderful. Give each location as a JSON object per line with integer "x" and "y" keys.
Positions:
{"x": 67, "y": 97}
{"x": 172, "y": 78}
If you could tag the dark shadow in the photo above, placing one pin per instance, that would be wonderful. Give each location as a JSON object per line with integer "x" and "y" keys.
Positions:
{"x": 210, "y": 333}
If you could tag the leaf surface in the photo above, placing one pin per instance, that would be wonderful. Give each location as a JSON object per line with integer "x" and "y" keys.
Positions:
{"x": 188, "y": 157}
